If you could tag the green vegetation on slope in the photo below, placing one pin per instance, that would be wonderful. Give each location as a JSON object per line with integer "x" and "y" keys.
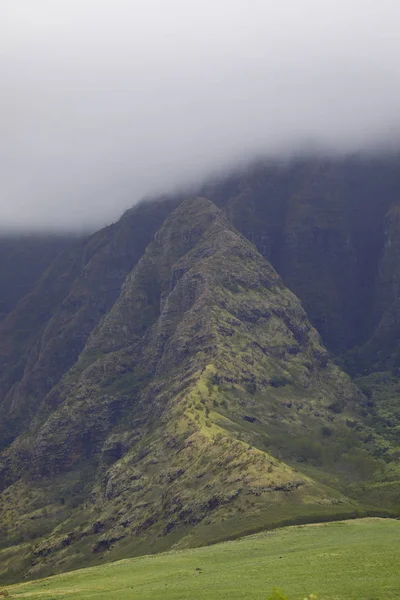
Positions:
{"x": 43, "y": 336}
{"x": 338, "y": 561}
{"x": 203, "y": 407}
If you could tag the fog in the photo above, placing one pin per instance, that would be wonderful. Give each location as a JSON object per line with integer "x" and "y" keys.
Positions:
{"x": 105, "y": 101}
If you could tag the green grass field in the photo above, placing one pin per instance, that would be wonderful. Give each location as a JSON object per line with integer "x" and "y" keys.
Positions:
{"x": 357, "y": 560}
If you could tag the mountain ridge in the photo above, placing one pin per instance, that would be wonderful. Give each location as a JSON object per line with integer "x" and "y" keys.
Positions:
{"x": 200, "y": 402}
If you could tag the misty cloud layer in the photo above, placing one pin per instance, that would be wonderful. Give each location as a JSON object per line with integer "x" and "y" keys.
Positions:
{"x": 104, "y": 101}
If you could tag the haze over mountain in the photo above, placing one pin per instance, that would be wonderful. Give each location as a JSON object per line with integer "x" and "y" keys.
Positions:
{"x": 224, "y": 357}
{"x": 104, "y": 102}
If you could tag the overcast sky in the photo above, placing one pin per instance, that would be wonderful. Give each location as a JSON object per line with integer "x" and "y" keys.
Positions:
{"x": 104, "y": 101}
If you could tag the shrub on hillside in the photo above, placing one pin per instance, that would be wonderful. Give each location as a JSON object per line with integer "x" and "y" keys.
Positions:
{"x": 279, "y": 381}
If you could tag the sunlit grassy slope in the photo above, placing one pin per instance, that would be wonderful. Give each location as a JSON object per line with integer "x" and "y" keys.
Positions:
{"x": 341, "y": 560}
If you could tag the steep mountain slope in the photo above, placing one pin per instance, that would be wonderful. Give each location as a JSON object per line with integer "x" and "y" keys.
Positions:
{"x": 42, "y": 338}
{"x": 327, "y": 225}
{"x": 324, "y": 225}
{"x": 382, "y": 350}
{"x": 172, "y": 425}
{"x": 23, "y": 258}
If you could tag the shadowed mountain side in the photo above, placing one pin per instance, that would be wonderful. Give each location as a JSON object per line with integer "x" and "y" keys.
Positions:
{"x": 327, "y": 225}
{"x": 23, "y": 259}
{"x": 381, "y": 352}
{"x": 323, "y": 224}
{"x": 172, "y": 425}
{"x": 43, "y": 337}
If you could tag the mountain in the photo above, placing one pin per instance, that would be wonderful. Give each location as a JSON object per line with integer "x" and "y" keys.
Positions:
{"x": 42, "y": 338}
{"x": 162, "y": 386}
{"x": 324, "y": 225}
{"x": 23, "y": 259}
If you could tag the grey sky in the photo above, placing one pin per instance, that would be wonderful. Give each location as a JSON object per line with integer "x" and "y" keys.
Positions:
{"x": 104, "y": 101}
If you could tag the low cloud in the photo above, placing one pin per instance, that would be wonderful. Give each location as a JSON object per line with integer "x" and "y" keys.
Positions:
{"x": 105, "y": 101}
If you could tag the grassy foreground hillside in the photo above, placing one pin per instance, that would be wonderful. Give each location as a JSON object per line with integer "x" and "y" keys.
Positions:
{"x": 341, "y": 560}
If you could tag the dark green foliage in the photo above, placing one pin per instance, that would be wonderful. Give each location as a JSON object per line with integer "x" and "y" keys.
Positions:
{"x": 366, "y": 390}
{"x": 127, "y": 383}
{"x": 336, "y": 407}
{"x": 251, "y": 386}
{"x": 279, "y": 381}
{"x": 215, "y": 379}
{"x": 326, "y": 431}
